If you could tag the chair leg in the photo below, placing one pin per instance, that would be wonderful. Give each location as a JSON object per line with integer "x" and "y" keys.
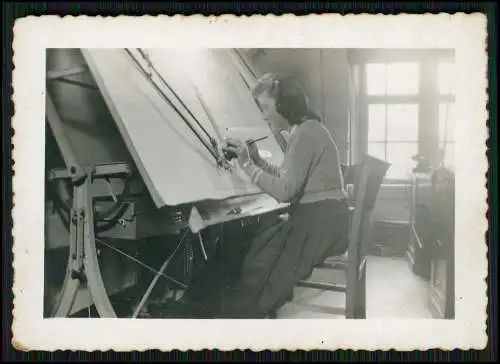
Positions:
{"x": 351, "y": 292}
{"x": 360, "y": 304}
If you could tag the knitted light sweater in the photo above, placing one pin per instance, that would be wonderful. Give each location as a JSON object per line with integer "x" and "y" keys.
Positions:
{"x": 310, "y": 170}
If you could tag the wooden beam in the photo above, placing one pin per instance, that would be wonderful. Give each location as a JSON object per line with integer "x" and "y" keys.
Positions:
{"x": 333, "y": 265}
{"x": 78, "y": 83}
{"x": 56, "y": 74}
{"x": 322, "y": 285}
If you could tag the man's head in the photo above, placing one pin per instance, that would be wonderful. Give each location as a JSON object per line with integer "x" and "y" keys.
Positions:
{"x": 283, "y": 94}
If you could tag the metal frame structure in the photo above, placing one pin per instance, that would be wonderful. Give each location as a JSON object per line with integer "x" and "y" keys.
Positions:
{"x": 83, "y": 265}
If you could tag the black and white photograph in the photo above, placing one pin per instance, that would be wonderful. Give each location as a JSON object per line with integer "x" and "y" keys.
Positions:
{"x": 254, "y": 184}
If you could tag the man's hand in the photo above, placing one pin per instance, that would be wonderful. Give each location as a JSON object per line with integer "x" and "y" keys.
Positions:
{"x": 239, "y": 148}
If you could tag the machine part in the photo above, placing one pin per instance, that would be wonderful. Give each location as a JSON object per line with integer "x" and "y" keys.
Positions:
{"x": 72, "y": 278}
{"x": 221, "y": 162}
{"x": 202, "y": 246}
{"x": 119, "y": 207}
{"x": 186, "y": 262}
{"x": 108, "y": 218}
{"x": 54, "y": 190}
{"x": 112, "y": 169}
{"x": 235, "y": 211}
{"x": 109, "y": 222}
{"x": 70, "y": 160}
{"x": 95, "y": 283}
{"x": 82, "y": 265}
{"x": 82, "y": 260}
{"x": 189, "y": 266}
{"x": 170, "y": 279}
{"x": 56, "y": 74}
{"x": 78, "y": 83}
{"x": 157, "y": 276}
{"x": 71, "y": 283}
{"x": 111, "y": 192}
{"x": 177, "y": 217}
{"x": 207, "y": 111}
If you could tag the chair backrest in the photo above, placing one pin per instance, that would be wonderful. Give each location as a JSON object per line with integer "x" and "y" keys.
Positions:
{"x": 367, "y": 178}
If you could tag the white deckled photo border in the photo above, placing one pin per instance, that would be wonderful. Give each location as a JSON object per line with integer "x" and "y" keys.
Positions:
{"x": 465, "y": 33}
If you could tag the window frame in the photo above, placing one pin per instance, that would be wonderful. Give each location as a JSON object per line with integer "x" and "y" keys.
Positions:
{"x": 446, "y": 122}
{"x": 387, "y": 92}
{"x": 428, "y": 96}
{"x": 392, "y": 99}
{"x": 386, "y": 142}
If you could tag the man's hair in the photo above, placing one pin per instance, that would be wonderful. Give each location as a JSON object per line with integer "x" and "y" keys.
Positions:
{"x": 291, "y": 98}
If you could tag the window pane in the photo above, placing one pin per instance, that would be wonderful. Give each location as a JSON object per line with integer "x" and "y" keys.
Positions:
{"x": 446, "y": 121}
{"x": 402, "y": 122}
{"x": 399, "y": 156}
{"x": 402, "y": 78}
{"x": 446, "y": 78}
{"x": 376, "y": 122}
{"x": 377, "y": 150}
{"x": 375, "y": 79}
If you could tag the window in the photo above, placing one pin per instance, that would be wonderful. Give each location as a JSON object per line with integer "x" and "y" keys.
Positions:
{"x": 392, "y": 79}
{"x": 447, "y": 111}
{"x": 392, "y": 125}
{"x": 375, "y": 79}
{"x": 394, "y": 103}
{"x": 393, "y": 136}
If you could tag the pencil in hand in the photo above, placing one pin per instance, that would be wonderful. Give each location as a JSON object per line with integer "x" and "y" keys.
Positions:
{"x": 251, "y": 141}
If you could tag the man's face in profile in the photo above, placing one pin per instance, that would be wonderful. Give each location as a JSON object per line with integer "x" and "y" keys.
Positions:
{"x": 267, "y": 104}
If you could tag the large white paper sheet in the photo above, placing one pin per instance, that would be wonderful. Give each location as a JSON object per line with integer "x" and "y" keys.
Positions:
{"x": 174, "y": 164}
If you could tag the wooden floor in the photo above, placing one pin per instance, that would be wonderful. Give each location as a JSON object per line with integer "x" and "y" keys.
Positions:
{"x": 393, "y": 291}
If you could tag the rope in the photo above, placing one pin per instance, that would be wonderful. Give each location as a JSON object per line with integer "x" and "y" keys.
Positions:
{"x": 173, "y": 280}
{"x": 155, "y": 279}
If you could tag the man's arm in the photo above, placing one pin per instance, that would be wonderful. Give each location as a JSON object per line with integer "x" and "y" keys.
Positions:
{"x": 268, "y": 167}
{"x": 292, "y": 174}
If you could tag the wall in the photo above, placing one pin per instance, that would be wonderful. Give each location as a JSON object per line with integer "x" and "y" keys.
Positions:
{"x": 325, "y": 75}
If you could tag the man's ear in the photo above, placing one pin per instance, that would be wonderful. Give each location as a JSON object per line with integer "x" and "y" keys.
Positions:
{"x": 273, "y": 91}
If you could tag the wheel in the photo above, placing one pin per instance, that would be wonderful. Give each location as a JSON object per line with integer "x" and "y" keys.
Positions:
{"x": 60, "y": 293}
{"x": 75, "y": 212}
{"x": 73, "y": 209}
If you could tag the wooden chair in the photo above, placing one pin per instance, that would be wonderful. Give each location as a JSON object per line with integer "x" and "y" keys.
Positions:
{"x": 366, "y": 178}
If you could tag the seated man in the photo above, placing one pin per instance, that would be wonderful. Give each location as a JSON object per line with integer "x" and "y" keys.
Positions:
{"x": 283, "y": 251}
